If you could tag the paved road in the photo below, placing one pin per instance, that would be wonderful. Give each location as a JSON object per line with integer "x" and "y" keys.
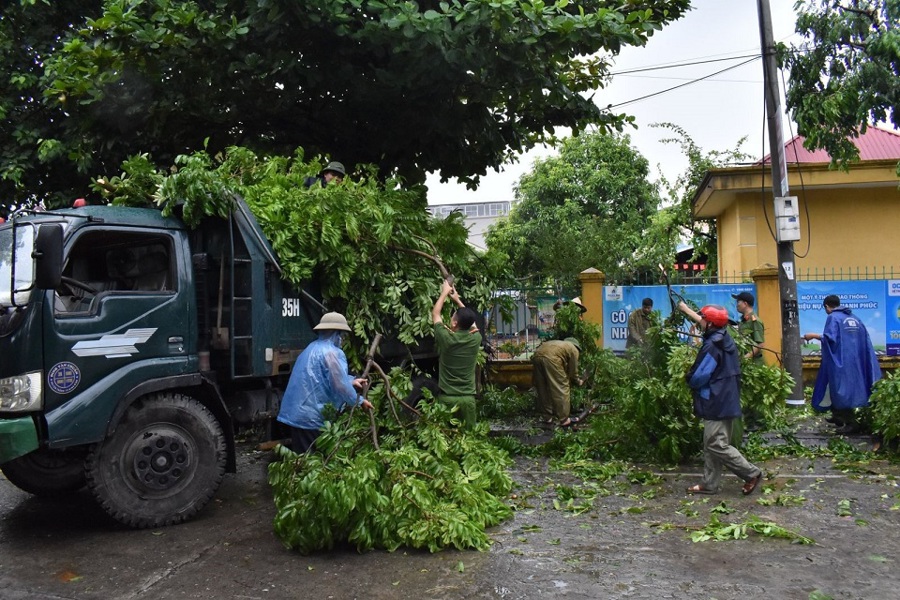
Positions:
{"x": 634, "y": 543}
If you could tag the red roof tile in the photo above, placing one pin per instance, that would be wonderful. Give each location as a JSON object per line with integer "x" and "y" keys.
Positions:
{"x": 874, "y": 144}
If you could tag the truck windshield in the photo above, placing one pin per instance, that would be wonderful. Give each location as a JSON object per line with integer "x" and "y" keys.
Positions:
{"x": 15, "y": 293}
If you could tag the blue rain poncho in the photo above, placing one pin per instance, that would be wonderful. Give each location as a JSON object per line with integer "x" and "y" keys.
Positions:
{"x": 319, "y": 378}
{"x": 849, "y": 366}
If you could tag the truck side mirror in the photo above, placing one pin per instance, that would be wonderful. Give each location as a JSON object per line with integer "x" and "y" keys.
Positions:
{"x": 47, "y": 256}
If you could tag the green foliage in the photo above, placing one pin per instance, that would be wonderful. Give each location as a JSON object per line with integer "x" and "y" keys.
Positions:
{"x": 587, "y": 207}
{"x": 844, "y": 455}
{"x": 428, "y": 485}
{"x": 646, "y": 410}
{"x": 781, "y": 500}
{"x": 846, "y": 75}
{"x": 456, "y": 87}
{"x": 139, "y": 179}
{"x": 721, "y": 532}
{"x": 512, "y": 348}
{"x": 884, "y": 409}
{"x": 362, "y": 241}
{"x": 843, "y": 508}
{"x": 511, "y": 445}
{"x": 568, "y": 322}
{"x": 764, "y": 389}
{"x": 506, "y": 402}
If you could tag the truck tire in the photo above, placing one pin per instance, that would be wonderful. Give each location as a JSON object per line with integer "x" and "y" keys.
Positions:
{"x": 161, "y": 465}
{"x": 47, "y": 472}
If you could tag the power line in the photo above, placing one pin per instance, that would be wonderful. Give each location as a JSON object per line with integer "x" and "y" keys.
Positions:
{"x": 746, "y": 62}
{"x": 682, "y": 64}
{"x": 753, "y": 81}
{"x": 710, "y": 58}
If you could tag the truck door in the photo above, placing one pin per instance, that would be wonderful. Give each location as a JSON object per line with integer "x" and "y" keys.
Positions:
{"x": 118, "y": 319}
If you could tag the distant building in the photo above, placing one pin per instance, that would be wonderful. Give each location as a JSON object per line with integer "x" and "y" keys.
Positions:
{"x": 478, "y": 216}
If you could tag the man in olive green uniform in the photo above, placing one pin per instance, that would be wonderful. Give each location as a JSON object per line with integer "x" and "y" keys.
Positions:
{"x": 751, "y": 329}
{"x": 457, "y": 347}
{"x": 555, "y": 369}
{"x": 639, "y": 321}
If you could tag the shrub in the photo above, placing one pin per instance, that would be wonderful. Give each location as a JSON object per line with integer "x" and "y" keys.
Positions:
{"x": 884, "y": 410}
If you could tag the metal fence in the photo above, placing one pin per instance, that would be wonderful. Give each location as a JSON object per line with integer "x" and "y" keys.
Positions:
{"x": 848, "y": 274}
{"x": 685, "y": 276}
{"x": 520, "y": 319}
{"x": 680, "y": 277}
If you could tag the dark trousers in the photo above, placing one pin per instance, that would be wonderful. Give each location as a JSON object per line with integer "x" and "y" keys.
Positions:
{"x": 303, "y": 439}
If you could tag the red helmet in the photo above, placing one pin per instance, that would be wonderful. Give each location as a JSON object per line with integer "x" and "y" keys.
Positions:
{"x": 715, "y": 315}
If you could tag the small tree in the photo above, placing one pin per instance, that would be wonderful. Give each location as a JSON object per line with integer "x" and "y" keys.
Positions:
{"x": 587, "y": 207}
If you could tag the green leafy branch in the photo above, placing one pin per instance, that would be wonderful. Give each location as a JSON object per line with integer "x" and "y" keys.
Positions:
{"x": 718, "y": 531}
{"x": 428, "y": 484}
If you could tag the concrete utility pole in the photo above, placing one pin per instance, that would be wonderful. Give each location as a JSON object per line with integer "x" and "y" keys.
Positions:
{"x": 787, "y": 282}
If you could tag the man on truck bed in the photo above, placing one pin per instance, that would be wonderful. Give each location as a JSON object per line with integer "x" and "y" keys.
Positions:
{"x": 333, "y": 172}
{"x": 319, "y": 378}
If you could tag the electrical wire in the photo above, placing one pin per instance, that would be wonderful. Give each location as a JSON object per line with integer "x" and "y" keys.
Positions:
{"x": 797, "y": 164}
{"x": 762, "y": 183}
{"x": 710, "y": 58}
{"x": 610, "y": 106}
{"x": 682, "y": 64}
{"x": 802, "y": 185}
{"x": 750, "y": 57}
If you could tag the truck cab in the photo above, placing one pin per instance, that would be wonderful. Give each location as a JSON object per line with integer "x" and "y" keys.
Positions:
{"x": 132, "y": 346}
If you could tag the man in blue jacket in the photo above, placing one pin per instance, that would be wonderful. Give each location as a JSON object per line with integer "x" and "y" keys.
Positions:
{"x": 849, "y": 366}
{"x": 715, "y": 381}
{"x": 319, "y": 378}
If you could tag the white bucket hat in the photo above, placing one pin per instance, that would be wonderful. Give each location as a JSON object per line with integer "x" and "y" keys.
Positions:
{"x": 332, "y": 321}
{"x": 577, "y": 302}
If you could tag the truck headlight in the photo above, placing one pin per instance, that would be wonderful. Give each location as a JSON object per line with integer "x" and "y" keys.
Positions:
{"x": 22, "y": 393}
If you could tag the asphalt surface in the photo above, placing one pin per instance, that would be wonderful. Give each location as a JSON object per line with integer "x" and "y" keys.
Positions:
{"x": 570, "y": 538}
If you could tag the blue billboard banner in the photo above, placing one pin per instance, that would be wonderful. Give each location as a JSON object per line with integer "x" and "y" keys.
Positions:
{"x": 875, "y": 303}
{"x": 620, "y": 301}
{"x": 892, "y": 318}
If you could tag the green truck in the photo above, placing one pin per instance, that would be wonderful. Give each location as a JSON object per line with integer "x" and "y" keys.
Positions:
{"x": 132, "y": 346}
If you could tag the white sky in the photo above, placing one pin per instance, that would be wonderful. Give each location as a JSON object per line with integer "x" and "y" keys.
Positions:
{"x": 716, "y": 112}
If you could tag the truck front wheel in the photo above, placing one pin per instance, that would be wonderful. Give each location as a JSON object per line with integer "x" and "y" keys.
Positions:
{"x": 47, "y": 472}
{"x": 161, "y": 465}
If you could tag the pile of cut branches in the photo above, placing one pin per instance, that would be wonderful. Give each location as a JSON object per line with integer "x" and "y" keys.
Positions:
{"x": 427, "y": 484}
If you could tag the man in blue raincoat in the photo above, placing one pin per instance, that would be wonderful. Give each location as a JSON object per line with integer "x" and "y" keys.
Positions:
{"x": 849, "y": 366}
{"x": 319, "y": 378}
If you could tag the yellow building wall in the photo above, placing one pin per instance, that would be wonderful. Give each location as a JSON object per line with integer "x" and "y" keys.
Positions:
{"x": 854, "y": 230}
{"x": 728, "y": 243}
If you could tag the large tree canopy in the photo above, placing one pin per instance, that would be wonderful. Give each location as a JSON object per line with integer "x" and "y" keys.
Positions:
{"x": 587, "y": 207}
{"x": 847, "y": 75}
{"x": 453, "y": 86}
